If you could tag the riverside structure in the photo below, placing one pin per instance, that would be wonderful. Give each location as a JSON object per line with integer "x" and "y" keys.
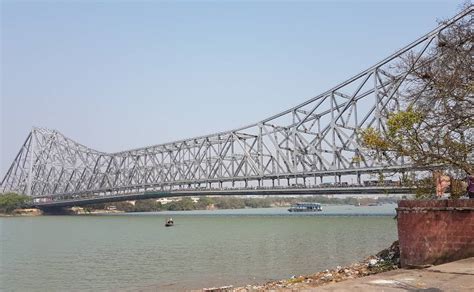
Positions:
{"x": 299, "y": 146}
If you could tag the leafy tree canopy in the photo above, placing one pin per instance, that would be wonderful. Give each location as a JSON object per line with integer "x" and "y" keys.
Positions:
{"x": 435, "y": 125}
{"x": 12, "y": 201}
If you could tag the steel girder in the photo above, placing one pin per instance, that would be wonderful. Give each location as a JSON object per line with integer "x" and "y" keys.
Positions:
{"x": 316, "y": 138}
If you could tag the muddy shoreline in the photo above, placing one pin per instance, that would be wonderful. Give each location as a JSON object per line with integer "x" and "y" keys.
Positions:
{"x": 385, "y": 260}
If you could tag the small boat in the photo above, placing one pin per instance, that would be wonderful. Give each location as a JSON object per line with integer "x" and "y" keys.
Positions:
{"x": 169, "y": 222}
{"x": 306, "y": 207}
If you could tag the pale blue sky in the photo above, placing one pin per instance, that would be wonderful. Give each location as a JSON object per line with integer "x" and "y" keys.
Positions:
{"x": 119, "y": 75}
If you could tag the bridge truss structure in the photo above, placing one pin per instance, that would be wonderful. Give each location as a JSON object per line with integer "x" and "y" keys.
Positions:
{"x": 315, "y": 139}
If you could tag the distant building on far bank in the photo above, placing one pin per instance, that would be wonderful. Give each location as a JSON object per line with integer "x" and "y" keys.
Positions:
{"x": 165, "y": 201}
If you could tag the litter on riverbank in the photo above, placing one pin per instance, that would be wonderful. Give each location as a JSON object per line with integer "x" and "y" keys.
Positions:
{"x": 386, "y": 260}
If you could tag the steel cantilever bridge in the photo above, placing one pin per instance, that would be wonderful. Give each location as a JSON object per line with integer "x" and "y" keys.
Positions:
{"x": 278, "y": 155}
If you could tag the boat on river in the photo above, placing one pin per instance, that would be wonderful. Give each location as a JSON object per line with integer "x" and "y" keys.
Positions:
{"x": 169, "y": 222}
{"x": 305, "y": 207}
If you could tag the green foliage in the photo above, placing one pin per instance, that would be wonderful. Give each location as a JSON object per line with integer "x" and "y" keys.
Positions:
{"x": 98, "y": 206}
{"x": 373, "y": 139}
{"x": 357, "y": 159}
{"x": 257, "y": 203}
{"x": 400, "y": 138}
{"x": 425, "y": 188}
{"x": 204, "y": 203}
{"x": 434, "y": 122}
{"x": 149, "y": 205}
{"x": 230, "y": 203}
{"x": 404, "y": 121}
{"x": 185, "y": 204}
{"x": 124, "y": 206}
{"x": 12, "y": 201}
{"x": 458, "y": 188}
{"x": 381, "y": 177}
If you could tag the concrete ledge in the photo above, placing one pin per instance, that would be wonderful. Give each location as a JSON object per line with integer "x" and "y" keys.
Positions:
{"x": 455, "y": 276}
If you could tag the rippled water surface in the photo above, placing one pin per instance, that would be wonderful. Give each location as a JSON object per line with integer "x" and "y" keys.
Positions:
{"x": 203, "y": 249}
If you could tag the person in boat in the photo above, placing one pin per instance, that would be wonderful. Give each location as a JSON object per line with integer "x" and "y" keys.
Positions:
{"x": 170, "y": 220}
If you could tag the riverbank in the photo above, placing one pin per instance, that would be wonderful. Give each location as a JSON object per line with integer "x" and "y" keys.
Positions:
{"x": 386, "y": 260}
{"x": 231, "y": 202}
{"x": 33, "y": 212}
{"x": 453, "y": 276}
{"x": 30, "y": 212}
{"x": 328, "y": 209}
{"x": 86, "y": 211}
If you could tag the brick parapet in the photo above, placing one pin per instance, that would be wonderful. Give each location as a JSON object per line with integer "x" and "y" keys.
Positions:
{"x": 435, "y": 231}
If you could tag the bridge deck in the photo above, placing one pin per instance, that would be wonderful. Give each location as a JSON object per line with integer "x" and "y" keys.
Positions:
{"x": 374, "y": 190}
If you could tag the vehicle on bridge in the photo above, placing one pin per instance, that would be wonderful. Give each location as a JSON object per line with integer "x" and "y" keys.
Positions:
{"x": 305, "y": 207}
{"x": 42, "y": 200}
{"x": 325, "y": 185}
{"x": 386, "y": 183}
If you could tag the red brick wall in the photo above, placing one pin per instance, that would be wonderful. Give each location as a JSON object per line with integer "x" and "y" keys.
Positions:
{"x": 433, "y": 232}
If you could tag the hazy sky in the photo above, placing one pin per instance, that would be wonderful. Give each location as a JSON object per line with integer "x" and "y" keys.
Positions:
{"x": 115, "y": 76}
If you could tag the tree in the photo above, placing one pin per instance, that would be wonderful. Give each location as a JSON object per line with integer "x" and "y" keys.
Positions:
{"x": 257, "y": 203}
{"x": 184, "y": 204}
{"x": 435, "y": 125}
{"x": 150, "y": 205}
{"x": 204, "y": 202}
{"x": 123, "y": 206}
{"x": 229, "y": 203}
{"x": 12, "y": 201}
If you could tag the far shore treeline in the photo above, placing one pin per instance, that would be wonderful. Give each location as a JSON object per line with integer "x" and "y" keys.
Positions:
{"x": 207, "y": 203}
{"x": 9, "y": 202}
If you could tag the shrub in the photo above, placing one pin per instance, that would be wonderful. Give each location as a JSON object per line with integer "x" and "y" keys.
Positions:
{"x": 12, "y": 201}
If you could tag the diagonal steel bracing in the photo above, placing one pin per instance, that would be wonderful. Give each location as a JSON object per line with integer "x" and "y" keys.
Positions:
{"x": 314, "y": 139}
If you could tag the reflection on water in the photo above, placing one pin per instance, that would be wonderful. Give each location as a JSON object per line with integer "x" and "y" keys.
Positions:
{"x": 204, "y": 248}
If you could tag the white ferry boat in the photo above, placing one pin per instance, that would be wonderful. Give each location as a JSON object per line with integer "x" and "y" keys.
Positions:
{"x": 306, "y": 207}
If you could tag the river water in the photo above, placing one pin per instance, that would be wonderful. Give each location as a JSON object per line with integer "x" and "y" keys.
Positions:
{"x": 129, "y": 252}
